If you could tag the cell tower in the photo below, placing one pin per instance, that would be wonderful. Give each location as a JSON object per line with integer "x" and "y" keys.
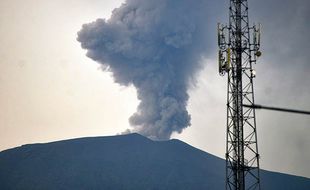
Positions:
{"x": 238, "y": 50}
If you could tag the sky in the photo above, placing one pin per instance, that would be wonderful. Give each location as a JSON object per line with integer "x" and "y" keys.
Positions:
{"x": 50, "y": 90}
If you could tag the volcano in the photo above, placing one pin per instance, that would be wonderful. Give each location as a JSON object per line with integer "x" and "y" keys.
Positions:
{"x": 130, "y": 162}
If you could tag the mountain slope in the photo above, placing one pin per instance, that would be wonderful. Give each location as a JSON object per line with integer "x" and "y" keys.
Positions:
{"x": 121, "y": 162}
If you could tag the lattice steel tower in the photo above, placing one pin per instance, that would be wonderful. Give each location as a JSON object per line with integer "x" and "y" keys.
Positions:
{"x": 238, "y": 50}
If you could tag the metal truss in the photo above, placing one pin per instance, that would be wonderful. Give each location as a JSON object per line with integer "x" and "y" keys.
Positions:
{"x": 238, "y": 50}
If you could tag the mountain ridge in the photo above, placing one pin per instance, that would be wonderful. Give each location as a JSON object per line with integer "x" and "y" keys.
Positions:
{"x": 121, "y": 162}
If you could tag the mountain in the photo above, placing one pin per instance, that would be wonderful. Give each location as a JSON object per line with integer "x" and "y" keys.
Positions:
{"x": 130, "y": 162}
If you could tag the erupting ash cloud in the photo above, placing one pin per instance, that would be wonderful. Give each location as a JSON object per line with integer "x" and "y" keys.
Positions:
{"x": 156, "y": 46}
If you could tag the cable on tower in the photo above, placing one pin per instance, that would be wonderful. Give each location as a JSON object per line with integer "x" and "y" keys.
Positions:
{"x": 256, "y": 106}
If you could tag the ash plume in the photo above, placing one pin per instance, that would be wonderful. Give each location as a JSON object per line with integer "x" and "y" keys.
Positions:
{"x": 156, "y": 46}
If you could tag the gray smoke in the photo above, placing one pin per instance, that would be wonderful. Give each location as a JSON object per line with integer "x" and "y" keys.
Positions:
{"x": 156, "y": 46}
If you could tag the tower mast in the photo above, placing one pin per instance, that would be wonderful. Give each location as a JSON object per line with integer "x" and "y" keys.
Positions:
{"x": 238, "y": 50}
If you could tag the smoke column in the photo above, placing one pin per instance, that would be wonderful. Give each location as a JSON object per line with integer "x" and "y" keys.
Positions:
{"x": 156, "y": 46}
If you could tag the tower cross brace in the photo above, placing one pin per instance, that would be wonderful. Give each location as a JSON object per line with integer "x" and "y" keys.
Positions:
{"x": 238, "y": 51}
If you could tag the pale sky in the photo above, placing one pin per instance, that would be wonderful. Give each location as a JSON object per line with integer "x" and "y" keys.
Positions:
{"x": 49, "y": 89}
